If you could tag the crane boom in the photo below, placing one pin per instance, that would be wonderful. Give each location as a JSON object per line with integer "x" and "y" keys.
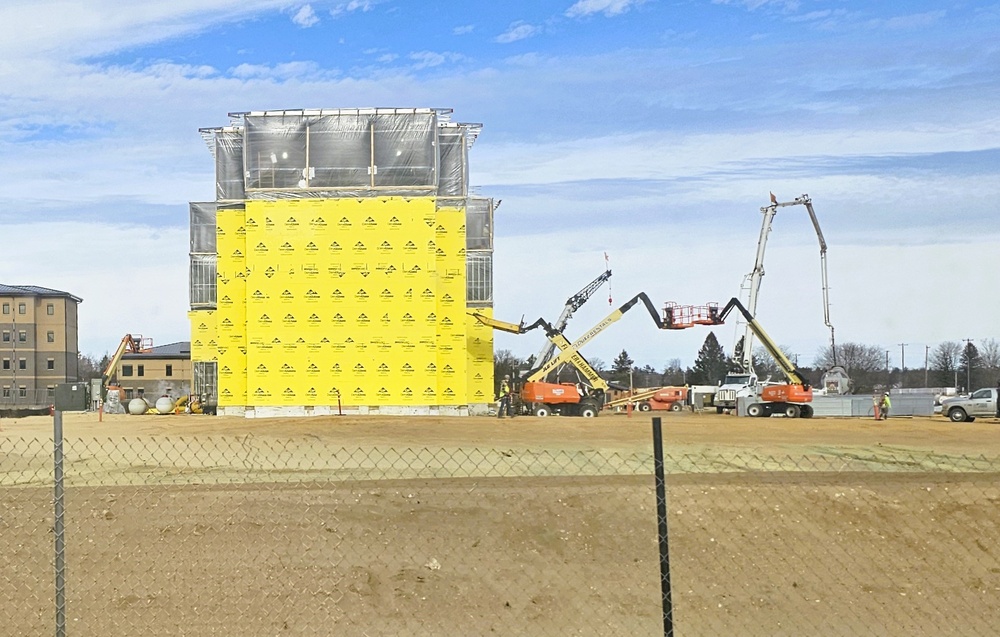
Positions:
{"x": 570, "y": 352}
{"x": 589, "y": 335}
{"x": 757, "y": 274}
{"x": 129, "y": 343}
{"x": 573, "y": 304}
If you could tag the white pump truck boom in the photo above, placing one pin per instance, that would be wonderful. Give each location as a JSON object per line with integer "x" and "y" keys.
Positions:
{"x": 743, "y": 383}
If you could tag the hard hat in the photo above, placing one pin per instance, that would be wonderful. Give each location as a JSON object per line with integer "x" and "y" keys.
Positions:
{"x": 506, "y": 376}
{"x": 886, "y": 393}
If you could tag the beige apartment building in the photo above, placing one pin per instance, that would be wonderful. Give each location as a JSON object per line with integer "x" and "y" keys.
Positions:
{"x": 38, "y": 344}
{"x": 164, "y": 370}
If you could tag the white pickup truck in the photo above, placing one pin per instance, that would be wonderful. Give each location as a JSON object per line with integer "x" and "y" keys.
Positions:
{"x": 982, "y": 402}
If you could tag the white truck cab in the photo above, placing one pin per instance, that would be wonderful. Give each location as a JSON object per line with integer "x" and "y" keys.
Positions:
{"x": 735, "y": 385}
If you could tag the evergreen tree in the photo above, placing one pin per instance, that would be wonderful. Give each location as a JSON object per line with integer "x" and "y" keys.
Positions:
{"x": 968, "y": 366}
{"x": 711, "y": 365}
{"x": 622, "y": 363}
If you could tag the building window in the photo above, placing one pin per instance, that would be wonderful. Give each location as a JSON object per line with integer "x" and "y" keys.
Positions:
{"x": 22, "y": 363}
{"x": 126, "y": 370}
{"x": 22, "y": 391}
{"x": 6, "y": 336}
{"x": 140, "y": 371}
{"x": 50, "y": 363}
{"x": 6, "y": 391}
{"x": 6, "y": 363}
{"x": 50, "y": 391}
{"x": 22, "y": 308}
{"x": 170, "y": 370}
{"x": 50, "y": 309}
{"x": 128, "y": 394}
{"x": 22, "y": 336}
{"x": 6, "y": 310}
{"x": 142, "y": 392}
{"x": 50, "y": 337}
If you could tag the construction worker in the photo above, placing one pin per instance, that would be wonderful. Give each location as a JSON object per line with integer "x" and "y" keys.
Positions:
{"x": 885, "y": 406}
{"x": 504, "y": 407}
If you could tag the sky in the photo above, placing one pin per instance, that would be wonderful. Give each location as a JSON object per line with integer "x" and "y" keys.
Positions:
{"x": 651, "y": 131}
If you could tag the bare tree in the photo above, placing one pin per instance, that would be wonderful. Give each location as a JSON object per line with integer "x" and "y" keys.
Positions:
{"x": 865, "y": 364}
{"x": 989, "y": 359}
{"x": 504, "y": 363}
{"x": 673, "y": 373}
{"x": 766, "y": 367}
{"x": 944, "y": 362}
{"x": 853, "y": 357}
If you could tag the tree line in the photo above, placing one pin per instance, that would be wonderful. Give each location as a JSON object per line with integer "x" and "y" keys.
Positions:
{"x": 961, "y": 364}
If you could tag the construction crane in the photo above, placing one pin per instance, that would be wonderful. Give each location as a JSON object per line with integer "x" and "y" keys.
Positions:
{"x": 839, "y": 380}
{"x": 573, "y": 304}
{"x": 112, "y": 394}
{"x": 544, "y": 399}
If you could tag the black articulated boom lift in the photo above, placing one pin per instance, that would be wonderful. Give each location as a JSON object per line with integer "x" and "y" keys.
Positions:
{"x": 542, "y": 398}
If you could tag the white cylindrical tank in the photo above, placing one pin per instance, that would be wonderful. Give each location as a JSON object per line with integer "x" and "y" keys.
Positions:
{"x": 165, "y": 405}
{"x": 137, "y": 406}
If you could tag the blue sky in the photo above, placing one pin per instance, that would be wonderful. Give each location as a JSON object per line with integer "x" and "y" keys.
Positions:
{"x": 650, "y": 130}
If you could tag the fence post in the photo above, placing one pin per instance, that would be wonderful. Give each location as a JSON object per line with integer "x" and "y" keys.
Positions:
{"x": 661, "y": 519}
{"x": 59, "y": 526}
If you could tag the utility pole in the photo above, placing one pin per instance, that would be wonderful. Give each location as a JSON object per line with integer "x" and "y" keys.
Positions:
{"x": 927, "y": 358}
{"x": 968, "y": 365}
{"x": 888, "y": 378}
{"x": 902, "y": 363}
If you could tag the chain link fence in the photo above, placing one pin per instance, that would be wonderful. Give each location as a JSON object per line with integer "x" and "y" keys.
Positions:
{"x": 259, "y": 535}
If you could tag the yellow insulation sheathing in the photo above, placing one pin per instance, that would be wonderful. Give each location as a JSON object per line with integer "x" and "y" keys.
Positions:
{"x": 357, "y": 299}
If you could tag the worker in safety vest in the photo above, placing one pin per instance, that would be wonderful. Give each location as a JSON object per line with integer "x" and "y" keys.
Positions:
{"x": 504, "y": 407}
{"x": 885, "y": 406}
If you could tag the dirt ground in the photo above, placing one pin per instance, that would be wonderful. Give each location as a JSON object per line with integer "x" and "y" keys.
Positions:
{"x": 683, "y": 432}
{"x": 895, "y": 548}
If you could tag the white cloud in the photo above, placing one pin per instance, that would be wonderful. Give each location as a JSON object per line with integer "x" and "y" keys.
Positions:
{"x": 305, "y": 17}
{"x": 387, "y": 58}
{"x": 426, "y": 59}
{"x": 463, "y": 30}
{"x": 914, "y": 21}
{"x": 79, "y": 29}
{"x": 279, "y": 72}
{"x": 354, "y": 5}
{"x": 607, "y": 7}
{"x": 752, "y": 5}
{"x": 518, "y": 31}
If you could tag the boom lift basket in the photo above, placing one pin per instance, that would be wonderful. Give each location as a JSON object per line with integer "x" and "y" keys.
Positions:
{"x": 679, "y": 317}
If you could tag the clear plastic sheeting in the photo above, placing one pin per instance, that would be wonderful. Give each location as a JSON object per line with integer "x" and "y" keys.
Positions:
{"x": 339, "y": 152}
{"x": 275, "y": 154}
{"x": 229, "y": 165}
{"x": 479, "y": 224}
{"x": 203, "y": 281}
{"x": 404, "y": 150}
{"x": 203, "y": 227}
{"x": 206, "y": 382}
{"x": 479, "y": 278}
{"x": 454, "y": 170}
{"x": 342, "y": 153}
{"x": 351, "y": 150}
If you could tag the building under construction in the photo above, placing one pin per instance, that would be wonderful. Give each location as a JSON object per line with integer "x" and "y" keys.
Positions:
{"x": 335, "y": 270}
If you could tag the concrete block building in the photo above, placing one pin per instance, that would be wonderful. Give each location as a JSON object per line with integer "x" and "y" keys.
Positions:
{"x": 38, "y": 344}
{"x": 335, "y": 270}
